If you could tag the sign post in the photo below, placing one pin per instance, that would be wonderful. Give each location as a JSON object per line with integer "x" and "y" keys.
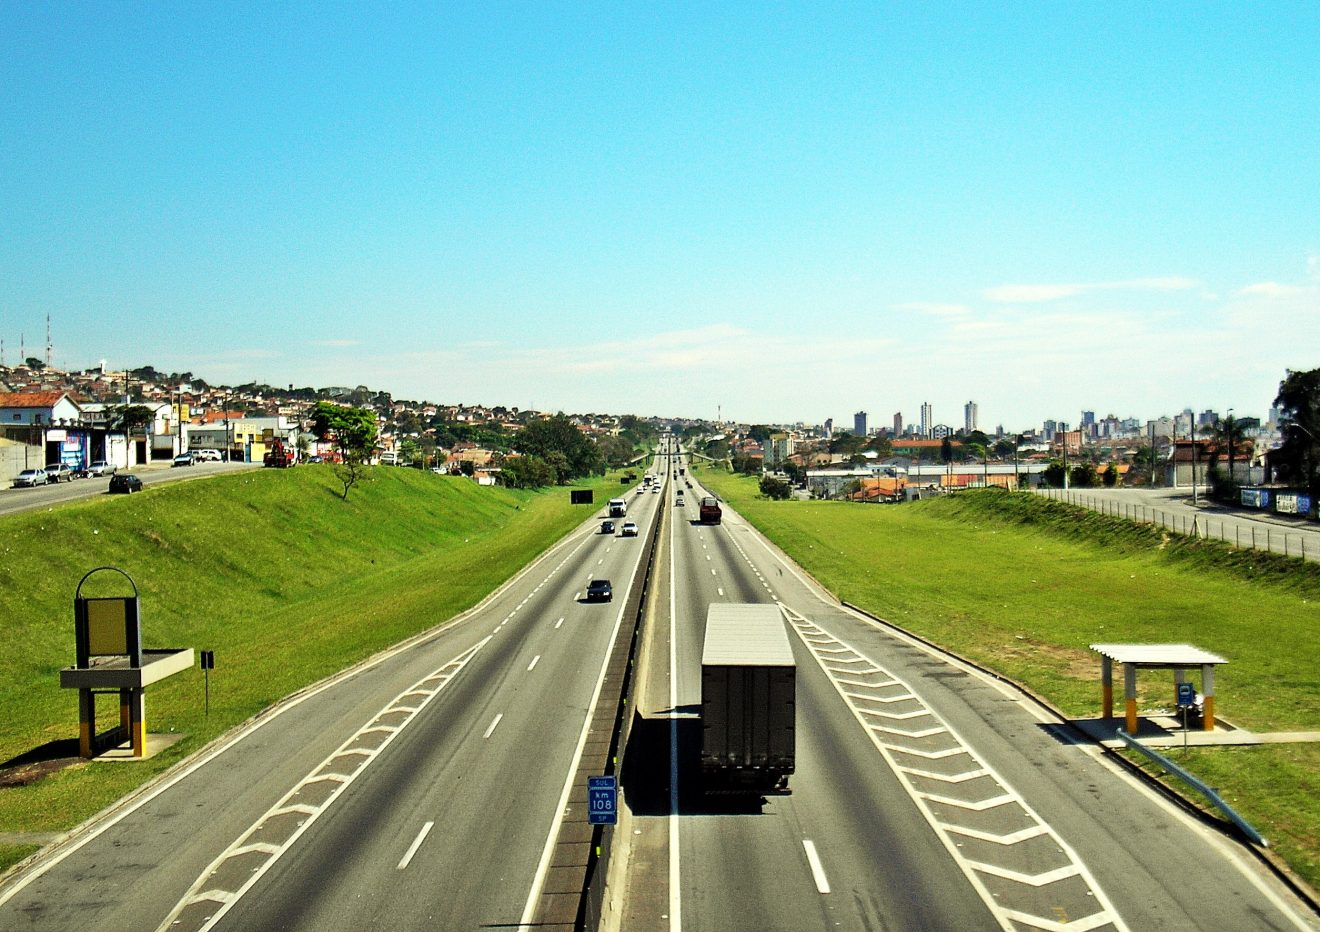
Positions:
{"x": 602, "y": 800}
{"x": 208, "y": 664}
{"x": 1186, "y": 699}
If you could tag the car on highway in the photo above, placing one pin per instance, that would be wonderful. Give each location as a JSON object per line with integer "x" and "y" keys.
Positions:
{"x": 607, "y": 527}
{"x": 29, "y": 478}
{"x": 629, "y": 529}
{"x": 125, "y": 482}
{"x": 56, "y": 472}
{"x": 678, "y": 502}
{"x": 101, "y": 468}
{"x": 184, "y": 459}
{"x": 600, "y": 590}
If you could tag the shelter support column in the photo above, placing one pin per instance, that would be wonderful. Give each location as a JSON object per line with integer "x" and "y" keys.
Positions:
{"x": 1208, "y": 696}
{"x": 1130, "y": 696}
{"x": 86, "y": 722}
{"x": 138, "y": 721}
{"x": 1107, "y": 685}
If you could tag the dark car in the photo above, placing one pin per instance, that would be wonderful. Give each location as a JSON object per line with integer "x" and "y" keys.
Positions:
{"x": 184, "y": 459}
{"x": 125, "y": 482}
{"x": 600, "y": 590}
{"x": 607, "y": 527}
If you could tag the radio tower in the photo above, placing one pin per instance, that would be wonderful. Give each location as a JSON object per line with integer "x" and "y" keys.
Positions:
{"x": 49, "y": 347}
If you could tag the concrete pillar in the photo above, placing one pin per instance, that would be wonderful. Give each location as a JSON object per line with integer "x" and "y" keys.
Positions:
{"x": 138, "y": 714}
{"x": 1208, "y": 695}
{"x": 86, "y": 722}
{"x": 1130, "y": 696}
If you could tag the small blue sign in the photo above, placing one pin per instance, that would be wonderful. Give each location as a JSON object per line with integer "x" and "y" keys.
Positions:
{"x": 1186, "y": 695}
{"x": 602, "y": 800}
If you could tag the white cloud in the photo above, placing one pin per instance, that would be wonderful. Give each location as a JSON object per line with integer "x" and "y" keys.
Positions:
{"x": 1036, "y": 293}
{"x": 1269, "y": 290}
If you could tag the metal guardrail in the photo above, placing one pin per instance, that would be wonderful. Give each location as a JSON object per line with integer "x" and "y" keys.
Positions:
{"x": 1215, "y": 799}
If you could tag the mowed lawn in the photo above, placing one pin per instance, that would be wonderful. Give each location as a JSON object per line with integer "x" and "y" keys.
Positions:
{"x": 1023, "y": 586}
{"x": 285, "y": 581}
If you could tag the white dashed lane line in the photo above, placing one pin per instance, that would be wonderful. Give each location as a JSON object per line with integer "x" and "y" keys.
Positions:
{"x": 817, "y": 869}
{"x": 558, "y": 623}
{"x": 532, "y": 666}
{"x": 493, "y": 725}
{"x": 417, "y": 843}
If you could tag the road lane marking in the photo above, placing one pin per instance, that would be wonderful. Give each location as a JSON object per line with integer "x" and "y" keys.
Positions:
{"x": 817, "y": 869}
{"x": 675, "y": 879}
{"x": 349, "y": 757}
{"x": 558, "y": 623}
{"x": 417, "y": 843}
{"x": 532, "y": 666}
{"x": 491, "y": 729}
{"x": 720, "y": 590}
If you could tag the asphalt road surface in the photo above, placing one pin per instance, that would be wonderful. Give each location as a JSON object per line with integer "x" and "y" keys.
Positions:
{"x": 927, "y": 795}
{"x": 13, "y": 500}
{"x": 416, "y": 792}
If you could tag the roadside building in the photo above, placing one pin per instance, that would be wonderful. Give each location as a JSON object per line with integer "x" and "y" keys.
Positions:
{"x": 37, "y": 428}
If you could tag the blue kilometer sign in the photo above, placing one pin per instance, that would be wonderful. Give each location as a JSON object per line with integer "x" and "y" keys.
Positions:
{"x": 1186, "y": 695}
{"x": 602, "y": 801}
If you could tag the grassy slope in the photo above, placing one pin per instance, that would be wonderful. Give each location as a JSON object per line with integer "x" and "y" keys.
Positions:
{"x": 286, "y": 582}
{"x": 1025, "y": 585}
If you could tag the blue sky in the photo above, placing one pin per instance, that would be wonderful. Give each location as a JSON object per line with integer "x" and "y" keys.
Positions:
{"x": 783, "y": 212}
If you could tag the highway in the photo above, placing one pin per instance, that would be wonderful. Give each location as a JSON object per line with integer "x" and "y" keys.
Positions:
{"x": 927, "y": 794}
{"x": 416, "y": 792}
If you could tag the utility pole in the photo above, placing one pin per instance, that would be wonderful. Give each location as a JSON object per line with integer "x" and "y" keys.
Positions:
{"x": 1195, "y": 498}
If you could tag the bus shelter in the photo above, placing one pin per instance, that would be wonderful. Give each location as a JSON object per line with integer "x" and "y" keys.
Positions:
{"x": 1176, "y": 657}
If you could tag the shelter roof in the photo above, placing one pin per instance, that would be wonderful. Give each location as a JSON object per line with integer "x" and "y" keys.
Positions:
{"x": 1158, "y": 655}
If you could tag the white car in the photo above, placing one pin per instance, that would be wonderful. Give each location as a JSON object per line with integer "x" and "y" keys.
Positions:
{"x": 629, "y": 529}
{"x": 206, "y": 456}
{"x": 100, "y": 468}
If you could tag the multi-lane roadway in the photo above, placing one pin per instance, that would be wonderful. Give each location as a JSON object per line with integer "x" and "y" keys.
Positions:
{"x": 422, "y": 790}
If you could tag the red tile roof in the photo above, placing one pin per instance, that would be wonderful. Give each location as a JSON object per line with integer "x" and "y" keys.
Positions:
{"x": 30, "y": 399}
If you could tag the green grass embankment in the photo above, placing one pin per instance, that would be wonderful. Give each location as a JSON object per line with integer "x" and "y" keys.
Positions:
{"x": 285, "y": 581}
{"x": 1023, "y": 585}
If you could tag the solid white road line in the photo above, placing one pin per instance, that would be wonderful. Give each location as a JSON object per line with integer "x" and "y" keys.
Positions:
{"x": 532, "y": 666}
{"x": 417, "y": 843}
{"x": 675, "y": 891}
{"x": 492, "y": 725}
{"x": 817, "y": 870}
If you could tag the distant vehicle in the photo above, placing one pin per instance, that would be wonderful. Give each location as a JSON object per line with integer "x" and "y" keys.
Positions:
{"x": 748, "y": 711}
{"x": 655, "y": 489}
{"x": 101, "y": 468}
{"x": 320, "y": 459}
{"x": 389, "y": 458}
{"x": 629, "y": 529}
{"x": 206, "y": 456}
{"x": 280, "y": 455}
{"x": 618, "y": 508}
{"x": 600, "y": 590}
{"x": 678, "y": 502}
{"x": 30, "y": 477}
{"x": 607, "y": 527}
{"x": 125, "y": 482}
{"x": 710, "y": 510}
{"x": 183, "y": 459}
{"x": 59, "y": 471}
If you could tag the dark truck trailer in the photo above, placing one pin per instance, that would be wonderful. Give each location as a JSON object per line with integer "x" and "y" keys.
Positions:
{"x": 748, "y": 709}
{"x": 710, "y": 510}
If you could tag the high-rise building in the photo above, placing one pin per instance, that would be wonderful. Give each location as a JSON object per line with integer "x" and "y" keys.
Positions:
{"x": 898, "y": 423}
{"x": 829, "y": 427}
{"x": 969, "y": 417}
{"x": 927, "y": 419}
{"x": 1049, "y": 428}
{"x": 859, "y": 424}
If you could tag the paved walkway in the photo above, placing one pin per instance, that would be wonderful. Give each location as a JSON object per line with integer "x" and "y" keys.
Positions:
{"x": 1158, "y": 730}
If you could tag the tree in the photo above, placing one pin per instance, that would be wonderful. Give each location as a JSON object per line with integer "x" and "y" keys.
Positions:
{"x": 33, "y": 363}
{"x": 1229, "y": 433}
{"x": 526, "y": 472}
{"x": 1082, "y": 476}
{"x": 1298, "y": 459}
{"x": 127, "y": 418}
{"x": 353, "y": 431}
{"x": 774, "y": 488}
{"x": 796, "y": 474}
{"x": 946, "y": 451}
{"x": 1110, "y": 476}
{"x": 558, "y": 434}
{"x": 760, "y": 432}
{"x": 1053, "y": 474}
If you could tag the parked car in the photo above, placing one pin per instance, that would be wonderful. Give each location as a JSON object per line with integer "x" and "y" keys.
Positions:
{"x": 126, "y": 483}
{"x": 607, "y": 527}
{"x": 183, "y": 459}
{"x": 206, "y": 456}
{"x": 101, "y": 468}
{"x": 56, "y": 472}
{"x": 629, "y": 529}
{"x": 30, "y": 477}
{"x": 600, "y": 590}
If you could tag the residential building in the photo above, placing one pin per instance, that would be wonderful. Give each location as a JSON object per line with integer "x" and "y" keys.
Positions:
{"x": 927, "y": 419}
{"x": 969, "y": 417}
{"x": 859, "y": 424}
{"x": 898, "y": 423}
{"x": 778, "y": 448}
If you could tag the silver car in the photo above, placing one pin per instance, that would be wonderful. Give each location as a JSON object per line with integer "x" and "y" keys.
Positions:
{"x": 31, "y": 477}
